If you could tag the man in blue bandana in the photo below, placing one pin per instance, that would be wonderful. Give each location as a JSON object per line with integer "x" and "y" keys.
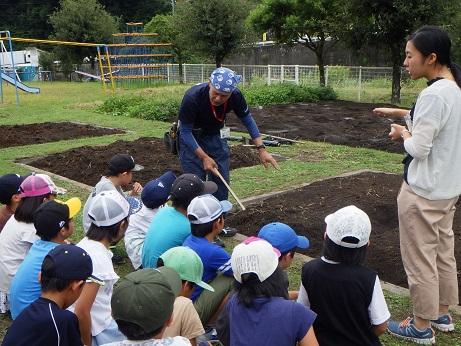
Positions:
{"x": 202, "y": 132}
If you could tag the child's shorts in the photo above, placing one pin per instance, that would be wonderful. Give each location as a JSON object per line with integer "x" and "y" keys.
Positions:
{"x": 108, "y": 335}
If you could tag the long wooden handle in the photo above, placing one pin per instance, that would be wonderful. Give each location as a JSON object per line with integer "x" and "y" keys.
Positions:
{"x": 216, "y": 172}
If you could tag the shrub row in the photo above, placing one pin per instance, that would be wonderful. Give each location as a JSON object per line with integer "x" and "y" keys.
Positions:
{"x": 166, "y": 109}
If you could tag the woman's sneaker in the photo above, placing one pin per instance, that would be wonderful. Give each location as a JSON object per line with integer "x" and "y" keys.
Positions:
{"x": 407, "y": 330}
{"x": 444, "y": 323}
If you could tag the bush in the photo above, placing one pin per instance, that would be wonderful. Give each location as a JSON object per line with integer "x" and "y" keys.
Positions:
{"x": 264, "y": 95}
{"x": 166, "y": 109}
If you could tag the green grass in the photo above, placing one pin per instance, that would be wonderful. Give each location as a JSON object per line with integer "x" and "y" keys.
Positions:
{"x": 305, "y": 162}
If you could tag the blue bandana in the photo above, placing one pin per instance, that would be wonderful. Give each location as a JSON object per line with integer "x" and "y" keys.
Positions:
{"x": 224, "y": 80}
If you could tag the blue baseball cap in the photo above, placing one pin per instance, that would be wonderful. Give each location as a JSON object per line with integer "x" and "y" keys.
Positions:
{"x": 9, "y": 186}
{"x": 224, "y": 80}
{"x": 156, "y": 192}
{"x": 282, "y": 237}
{"x": 70, "y": 262}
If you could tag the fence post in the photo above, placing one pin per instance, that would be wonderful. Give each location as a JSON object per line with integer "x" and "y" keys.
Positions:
{"x": 168, "y": 73}
{"x": 268, "y": 74}
{"x": 326, "y": 75}
{"x": 243, "y": 75}
{"x": 360, "y": 83}
{"x": 297, "y": 74}
{"x": 282, "y": 72}
{"x": 202, "y": 73}
{"x": 184, "y": 73}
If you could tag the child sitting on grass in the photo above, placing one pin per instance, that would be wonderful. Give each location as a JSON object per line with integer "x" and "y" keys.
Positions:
{"x": 19, "y": 233}
{"x": 46, "y": 321}
{"x": 206, "y": 215}
{"x": 154, "y": 195}
{"x": 142, "y": 306}
{"x": 346, "y": 295}
{"x": 109, "y": 214}
{"x": 119, "y": 173}
{"x": 54, "y": 223}
{"x": 189, "y": 266}
{"x": 10, "y": 195}
{"x": 284, "y": 238}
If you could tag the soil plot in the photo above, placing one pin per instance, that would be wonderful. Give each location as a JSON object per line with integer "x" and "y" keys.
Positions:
{"x": 87, "y": 164}
{"x": 16, "y": 135}
{"x": 337, "y": 122}
{"x": 305, "y": 209}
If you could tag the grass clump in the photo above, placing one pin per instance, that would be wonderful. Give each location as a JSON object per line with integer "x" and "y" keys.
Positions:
{"x": 165, "y": 108}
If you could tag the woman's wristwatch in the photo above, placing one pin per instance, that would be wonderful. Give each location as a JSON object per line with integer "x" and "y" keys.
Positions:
{"x": 261, "y": 146}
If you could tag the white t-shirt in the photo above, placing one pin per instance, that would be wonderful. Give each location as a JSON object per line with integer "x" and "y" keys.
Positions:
{"x": 176, "y": 341}
{"x": 435, "y": 144}
{"x": 16, "y": 239}
{"x": 101, "y": 312}
{"x": 104, "y": 184}
{"x": 377, "y": 310}
{"x": 136, "y": 233}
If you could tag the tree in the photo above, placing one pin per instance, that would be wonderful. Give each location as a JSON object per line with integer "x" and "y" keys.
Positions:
{"x": 309, "y": 22}
{"x": 388, "y": 24}
{"x": 81, "y": 21}
{"x": 212, "y": 28}
{"x": 137, "y": 10}
{"x": 168, "y": 31}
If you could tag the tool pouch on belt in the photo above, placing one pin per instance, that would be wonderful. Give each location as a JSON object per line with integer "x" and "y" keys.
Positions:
{"x": 171, "y": 139}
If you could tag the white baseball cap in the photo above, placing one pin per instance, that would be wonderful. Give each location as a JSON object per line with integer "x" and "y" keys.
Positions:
{"x": 206, "y": 208}
{"x": 349, "y": 222}
{"x": 254, "y": 255}
{"x": 109, "y": 208}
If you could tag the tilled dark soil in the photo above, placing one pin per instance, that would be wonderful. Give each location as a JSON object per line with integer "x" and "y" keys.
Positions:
{"x": 305, "y": 209}
{"x": 337, "y": 122}
{"x": 16, "y": 135}
{"x": 87, "y": 164}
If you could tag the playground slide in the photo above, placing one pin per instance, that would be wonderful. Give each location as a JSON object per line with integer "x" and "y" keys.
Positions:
{"x": 21, "y": 85}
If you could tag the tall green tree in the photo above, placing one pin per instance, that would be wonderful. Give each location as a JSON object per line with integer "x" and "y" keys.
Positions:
{"x": 308, "y": 22}
{"x": 212, "y": 28}
{"x": 388, "y": 23}
{"x": 137, "y": 10}
{"x": 81, "y": 21}
{"x": 168, "y": 31}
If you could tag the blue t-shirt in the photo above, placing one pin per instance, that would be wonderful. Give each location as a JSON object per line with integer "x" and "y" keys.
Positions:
{"x": 25, "y": 287}
{"x": 44, "y": 323}
{"x": 270, "y": 321}
{"x": 215, "y": 260}
{"x": 168, "y": 229}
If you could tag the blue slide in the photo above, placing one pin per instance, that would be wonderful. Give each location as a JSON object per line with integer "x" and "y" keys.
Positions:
{"x": 21, "y": 85}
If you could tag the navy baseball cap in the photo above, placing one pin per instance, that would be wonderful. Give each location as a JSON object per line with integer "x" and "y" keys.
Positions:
{"x": 156, "y": 192}
{"x": 121, "y": 163}
{"x": 9, "y": 186}
{"x": 282, "y": 237}
{"x": 70, "y": 262}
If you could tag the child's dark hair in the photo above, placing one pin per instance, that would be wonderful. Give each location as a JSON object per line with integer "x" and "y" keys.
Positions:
{"x": 337, "y": 253}
{"x": 99, "y": 233}
{"x": 201, "y": 230}
{"x": 47, "y": 236}
{"x": 134, "y": 332}
{"x": 251, "y": 287}
{"x": 27, "y": 207}
{"x": 290, "y": 252}
{"x": 179, "y": 203}
{"x": 431, "y": 39}
{"x": 49, "y": 283}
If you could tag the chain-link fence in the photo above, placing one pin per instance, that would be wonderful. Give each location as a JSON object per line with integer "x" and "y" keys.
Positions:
{"x": 355, "y": 81}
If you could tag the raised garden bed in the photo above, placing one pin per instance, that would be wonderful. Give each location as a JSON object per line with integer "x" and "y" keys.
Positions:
{"x": 87, "y": 164}
{"x": 336, "y": 122}
{"x": 17, "y": 135}
{"x": 305, "y": 209}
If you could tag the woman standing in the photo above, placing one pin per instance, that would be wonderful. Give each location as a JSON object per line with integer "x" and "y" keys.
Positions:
{"x": 432, "y": 184}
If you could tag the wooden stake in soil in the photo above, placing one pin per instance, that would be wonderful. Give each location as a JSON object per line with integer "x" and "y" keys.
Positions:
{"x": 216, "y": 172}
